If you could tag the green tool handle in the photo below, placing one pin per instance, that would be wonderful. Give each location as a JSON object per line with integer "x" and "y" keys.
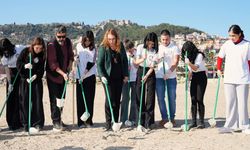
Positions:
{"x": 216, "y": 98}
{"x": 83, "y": 95}
{"x": 111, "y": 109}
{"x": 30, "y": 88}
{"x": 186, "y": 94}
{"x": 166, "y": 91}
{"x": 142, "y": 89}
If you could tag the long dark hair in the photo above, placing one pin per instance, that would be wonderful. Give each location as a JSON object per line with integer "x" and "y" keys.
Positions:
{"x": 153, "y": 38}
{"x": 7, "y": 48}
{"x": 90, "y": 36}
{"x": 236, "y": 30}
{"x": 192, "y": 51}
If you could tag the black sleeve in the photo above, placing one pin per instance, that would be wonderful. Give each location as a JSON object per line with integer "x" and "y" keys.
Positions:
{"x": 89, "y": 65}
{"x": 21, "y": 61}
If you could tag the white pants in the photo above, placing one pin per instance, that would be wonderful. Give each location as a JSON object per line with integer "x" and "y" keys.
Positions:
{"x": 236, "y": 106}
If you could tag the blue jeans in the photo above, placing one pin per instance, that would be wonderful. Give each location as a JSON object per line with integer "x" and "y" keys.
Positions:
{"x": 160, "y": 91}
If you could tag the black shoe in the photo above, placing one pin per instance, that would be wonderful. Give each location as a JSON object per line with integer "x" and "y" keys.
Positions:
{"x": 108, "y": 127}
{"x": 65, "y": 125}
{"x": 193, "y": 125}
{"x": 201, "y": 125}
{"x": 58, "y": 127}
{"x": 13, "y": 128}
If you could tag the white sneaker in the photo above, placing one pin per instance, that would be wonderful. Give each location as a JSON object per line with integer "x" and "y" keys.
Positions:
{"x": 246, "y": 131}
{"x": 224, "y": 130}
{"x": 34, "y": 130}
{"x": 128, "y": 123}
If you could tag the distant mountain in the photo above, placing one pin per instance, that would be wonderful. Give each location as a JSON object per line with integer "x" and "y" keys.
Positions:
{"x": 23, "y": 34}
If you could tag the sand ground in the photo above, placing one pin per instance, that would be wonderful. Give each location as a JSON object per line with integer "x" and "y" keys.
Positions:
{"x": 127, "y": 138}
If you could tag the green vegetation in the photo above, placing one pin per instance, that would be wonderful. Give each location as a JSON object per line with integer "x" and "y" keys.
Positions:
{"x": 23, "y": 34}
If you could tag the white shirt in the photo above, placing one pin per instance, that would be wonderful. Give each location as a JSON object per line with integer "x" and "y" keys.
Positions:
{"x": 200, "y": 62}
{"x": 85, "y": 56}
{"x": 11, "y": 62}
{"x": 236, "y": 62}
{"x": 133, "y": 69}
{"x": 151, "y": 56}
{"x": 169, "y": 53}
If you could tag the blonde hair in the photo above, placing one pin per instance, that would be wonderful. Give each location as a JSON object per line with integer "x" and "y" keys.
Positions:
{"x": 105, "y": 41}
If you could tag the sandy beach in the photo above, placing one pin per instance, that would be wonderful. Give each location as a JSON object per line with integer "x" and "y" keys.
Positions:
{"x": 127, "y": 138}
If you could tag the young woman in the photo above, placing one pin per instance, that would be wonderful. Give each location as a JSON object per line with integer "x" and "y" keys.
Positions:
{"x": 9, "y": 53}
{"x": 146, "y": 52}
{"x": 129, "y": 116}
{"x": 86, "y": 52}
{"x": 236, "y": 52}
{"x": 197, "y": 75}
{"x": 37, "y": 50}
{"x": 112, "y": 68}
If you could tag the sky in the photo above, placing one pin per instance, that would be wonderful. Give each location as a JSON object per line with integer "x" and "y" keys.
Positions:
{"x": 211, "y": 16}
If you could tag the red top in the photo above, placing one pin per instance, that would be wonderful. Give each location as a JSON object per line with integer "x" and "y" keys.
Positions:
{"x": 53, "y": 62}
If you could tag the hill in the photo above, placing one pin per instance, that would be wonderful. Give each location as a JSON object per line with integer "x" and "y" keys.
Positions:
{"x": 24, "y": 33}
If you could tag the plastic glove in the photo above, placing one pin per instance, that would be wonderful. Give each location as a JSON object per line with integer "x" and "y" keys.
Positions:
{"x": 77, "y": 60}
{"x": 81, "y": 79}
{"x": 219, "y": 73}
{"x": 104, "y": 80}
{"x": 187, "y": 61}
{"x": 32, "y": 78}
{"x": 10, "y": 88}
{"x": 28, "y": 66}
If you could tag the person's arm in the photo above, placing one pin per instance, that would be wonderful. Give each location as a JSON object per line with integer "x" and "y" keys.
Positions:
{"x": 139, "y": 55}
{"x": 138, "y": 61}
{"x": 125, "y": 64}
{"x": 148, "y": 74}
{"x": 71, "y": 58}
{"x": 52, "y": 61}
{"x": 101, "y": 63}
{"x": 196, "y": 64}
{"x": 175, "y": 63}
{"x": 21, "y": 62}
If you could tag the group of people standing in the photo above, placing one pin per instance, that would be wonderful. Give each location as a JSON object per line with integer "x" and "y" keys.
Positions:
{"x": 127, "y": 74}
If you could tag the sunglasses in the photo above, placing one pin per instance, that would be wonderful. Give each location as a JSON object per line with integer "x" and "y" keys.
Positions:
{"x": 61, "y": 37}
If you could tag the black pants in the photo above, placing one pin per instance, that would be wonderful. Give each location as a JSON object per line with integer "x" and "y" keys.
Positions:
{"x": 13, "y": 104}
{"x": 89, "y": 85}
{"x": 37, "y": 113}
{"x": 115, "y": 90}
{"x": 197, "y": 91}
{"x": 55, "y": 91}
{"x": 148, "y": 105}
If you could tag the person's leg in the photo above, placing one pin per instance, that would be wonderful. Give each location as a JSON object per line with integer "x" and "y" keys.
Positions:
{"x": 13, "y": 105}
{"x": 201, "y": 88}
{"x": 89, "y": 89}
{"x": 242, "y": 98}
{"x": 116, "y": 99}
{"x": 124, "y": 102}
{"x": 24, "y": 102}
{"x": 107, "y": 109}
{"x": 193, "y": 93}
{"x": 138, "y": 96}
{"x": 133, "y": 115}
{"x": 172, "y": 84}
{"x": 55, "y": 91}
{"x": 160, "y": 92}
{"x": 231, "y": 106}
{"x": 37, "y": 115}
{"x": 150, "y": 100}
{"x": 80, "y": 104}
